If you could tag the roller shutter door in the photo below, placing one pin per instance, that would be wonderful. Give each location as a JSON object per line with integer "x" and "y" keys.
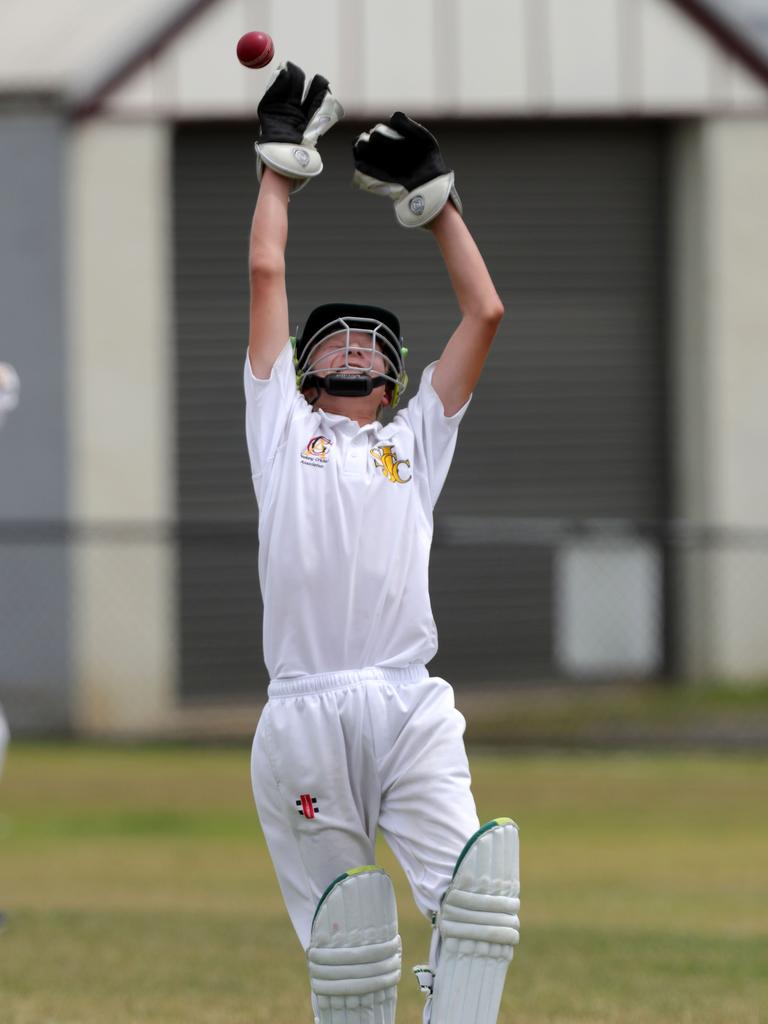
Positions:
{"x": 568, "y": 420}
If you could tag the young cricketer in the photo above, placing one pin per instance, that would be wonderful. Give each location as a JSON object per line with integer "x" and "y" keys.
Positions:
{"x": 357, "y": 735}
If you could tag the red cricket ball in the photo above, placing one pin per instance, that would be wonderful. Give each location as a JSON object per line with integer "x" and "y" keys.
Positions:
{"x": 255, "y": 49}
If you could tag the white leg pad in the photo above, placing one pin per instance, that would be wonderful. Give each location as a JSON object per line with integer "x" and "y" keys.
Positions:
{"x": 355, "y": 953}
{"x": 478, "y": 928}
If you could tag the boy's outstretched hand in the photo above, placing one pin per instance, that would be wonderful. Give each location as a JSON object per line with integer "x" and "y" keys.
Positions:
{"x": 292, "y": 117}
{"x": 401, "y": 159}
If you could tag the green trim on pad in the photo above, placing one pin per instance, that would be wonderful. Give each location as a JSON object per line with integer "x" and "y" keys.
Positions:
{"x": 347, "y": 874}
{"x": 473, "y": 839}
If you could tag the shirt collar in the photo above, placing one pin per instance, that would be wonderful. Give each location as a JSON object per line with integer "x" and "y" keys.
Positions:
{"x": 345, "y": 423}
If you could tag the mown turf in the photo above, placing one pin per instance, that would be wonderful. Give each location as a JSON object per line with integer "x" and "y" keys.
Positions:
{"x": 138, "y": 889}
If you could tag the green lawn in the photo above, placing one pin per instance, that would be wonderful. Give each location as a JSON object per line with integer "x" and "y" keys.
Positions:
{"x": 137, "y": 889}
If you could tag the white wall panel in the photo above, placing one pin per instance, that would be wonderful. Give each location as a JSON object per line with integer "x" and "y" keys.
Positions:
{"x": 587, "y": 27}
{"x": 138, "y": 92}
{"x": 399, "y": 59}
{"x": 122, "y": 428}
{"x": 721, "y": 77}
{"x": 538, "y": 45}
{"x": 741, "y": 587}
{"x": 721, "y": 364}
{"x": 52, "y": 43}
{"x": 124, "y": 637}
{"x": 746, "y": 91}
{"x": 739, "y": 152}
{"x": 120, "y": 282}
{"x": 493, "y": 57}
{"x": 308, "y": 33}
{"x": 454, "y": 56}
{"x": 676, "y": 58}
{"x": 207, "y": 72}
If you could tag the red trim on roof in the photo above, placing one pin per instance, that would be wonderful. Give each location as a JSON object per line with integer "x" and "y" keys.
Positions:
{"x": 716, "y": 25}
{"x": 148, "y": 49}
{"x": 730, "y": 39}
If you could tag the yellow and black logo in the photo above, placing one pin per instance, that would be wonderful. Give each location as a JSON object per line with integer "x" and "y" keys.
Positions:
{"x": 386, "y": 459}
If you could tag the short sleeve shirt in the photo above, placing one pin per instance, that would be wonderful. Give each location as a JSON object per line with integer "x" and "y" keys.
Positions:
{"x": 345, "y": 526}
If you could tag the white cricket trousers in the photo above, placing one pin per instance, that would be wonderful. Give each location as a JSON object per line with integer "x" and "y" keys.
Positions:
{"x": 337, "y": 755}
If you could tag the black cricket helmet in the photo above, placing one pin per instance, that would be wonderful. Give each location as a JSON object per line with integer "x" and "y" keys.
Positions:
{"x": 348, "y": 318}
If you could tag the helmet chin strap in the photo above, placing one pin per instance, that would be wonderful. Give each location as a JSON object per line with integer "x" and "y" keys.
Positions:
{"x": 345, "y": 385}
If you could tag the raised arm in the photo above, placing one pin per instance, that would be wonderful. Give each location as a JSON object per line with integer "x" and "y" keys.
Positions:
{"x": 402, "y": 160}
{"x": 293, "y": 115}
{"x": 459, "y": 367}
{"x": 269, "y": 327}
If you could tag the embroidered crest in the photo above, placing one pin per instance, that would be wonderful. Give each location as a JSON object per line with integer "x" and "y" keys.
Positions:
{"x": 387, "y": 461}
{"x": 317, "y": 449}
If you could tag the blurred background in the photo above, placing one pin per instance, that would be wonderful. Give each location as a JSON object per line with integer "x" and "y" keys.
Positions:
{"x": 602, "y": 541}
{"x": 600, "y": 566}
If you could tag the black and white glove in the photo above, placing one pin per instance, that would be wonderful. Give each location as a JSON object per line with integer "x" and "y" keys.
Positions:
{"x": 402, "y": 160}
{"x": 292, "y": 117}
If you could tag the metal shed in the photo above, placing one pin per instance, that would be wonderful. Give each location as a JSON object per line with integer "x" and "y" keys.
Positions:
{"x": 610, "y": 155}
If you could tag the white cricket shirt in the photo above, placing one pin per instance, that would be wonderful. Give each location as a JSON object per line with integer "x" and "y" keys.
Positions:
{"x": 345, "y": 526}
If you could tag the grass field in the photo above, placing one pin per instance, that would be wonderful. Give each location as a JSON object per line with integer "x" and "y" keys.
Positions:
{"x": 138, "y": 889}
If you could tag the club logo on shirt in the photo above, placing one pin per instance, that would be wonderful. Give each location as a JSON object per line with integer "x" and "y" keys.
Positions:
{"x": 307, "y": 805}
{"x": 387, "y": 461}
{"x": 316, "y": 452}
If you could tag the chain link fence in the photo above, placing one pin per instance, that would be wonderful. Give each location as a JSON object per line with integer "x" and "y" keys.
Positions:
{"x": 550, "y": 630}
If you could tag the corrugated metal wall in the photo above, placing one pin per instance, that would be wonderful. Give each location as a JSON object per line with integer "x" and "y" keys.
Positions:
{"x": 568, "y": 421}
{"x": 36, "y": 672}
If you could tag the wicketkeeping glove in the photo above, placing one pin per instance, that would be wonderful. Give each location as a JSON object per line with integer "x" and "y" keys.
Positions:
{"x": 402, "y": 160}
{"x": 292, "y": 117}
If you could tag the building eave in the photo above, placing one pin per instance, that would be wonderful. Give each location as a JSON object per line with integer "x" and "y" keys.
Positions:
{"x": 735, "y": 43}
{"x": 88, "y": 96}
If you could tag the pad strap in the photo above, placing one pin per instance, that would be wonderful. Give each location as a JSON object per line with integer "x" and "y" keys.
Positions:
{"x": 289, "y": 159}
{"x": 417, "y": 208}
